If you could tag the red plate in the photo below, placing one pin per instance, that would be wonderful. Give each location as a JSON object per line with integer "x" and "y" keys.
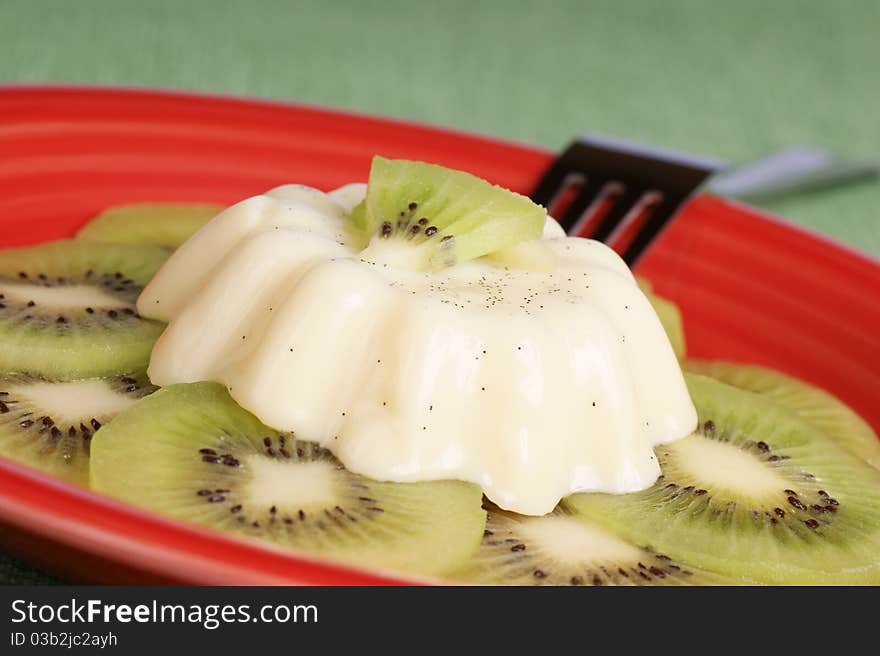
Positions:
{"x": 750, "y": 287}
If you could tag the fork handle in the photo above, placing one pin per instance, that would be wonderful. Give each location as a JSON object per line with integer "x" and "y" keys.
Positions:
{"x": 795, "y": 170}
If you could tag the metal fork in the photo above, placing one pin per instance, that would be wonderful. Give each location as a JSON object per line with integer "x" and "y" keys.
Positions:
{"x": 624, "y": 193}
{"x": 619, "y": 192}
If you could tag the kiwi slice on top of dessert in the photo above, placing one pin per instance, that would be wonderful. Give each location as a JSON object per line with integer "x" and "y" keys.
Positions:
{"x": 161, "y": 224}
{"x": 757, "y": 493}
{"x": 49, "y": 424}
{"x": 191, "y": 452}
{"x": 446, "y": 216}
{"x": 817, "y": 406}
{"x": 564, "y": 548}
{"x": 67, "y": 308}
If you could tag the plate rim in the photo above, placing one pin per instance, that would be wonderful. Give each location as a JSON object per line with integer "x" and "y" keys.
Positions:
{"x": 343, "y": 112}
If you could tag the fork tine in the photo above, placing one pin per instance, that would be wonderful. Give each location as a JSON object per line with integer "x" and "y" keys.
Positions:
{"x": 623, "y": 205}
{"x": 587, "y": 195}
{"x": 658, "y": 218}
{"x": 556, "y": 177}
{"x": 640, "y": 171}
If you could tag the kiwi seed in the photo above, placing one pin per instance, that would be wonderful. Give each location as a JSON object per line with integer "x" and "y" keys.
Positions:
{"x": 241, "y": 476}
{"x": 68, "y": 309}
{"x": 566, "y": 549}
{"x": 756, "y": 493}
{"x": 49, "y": 424}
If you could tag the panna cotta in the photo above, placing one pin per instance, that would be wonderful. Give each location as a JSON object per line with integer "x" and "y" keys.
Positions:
{"x": 535, "y": 373}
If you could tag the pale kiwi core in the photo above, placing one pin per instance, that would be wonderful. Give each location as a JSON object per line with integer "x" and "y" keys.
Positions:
{"x": 534, "y": 375}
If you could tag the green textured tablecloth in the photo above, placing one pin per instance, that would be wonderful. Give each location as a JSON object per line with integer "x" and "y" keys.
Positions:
{"x": 734, "y": 80}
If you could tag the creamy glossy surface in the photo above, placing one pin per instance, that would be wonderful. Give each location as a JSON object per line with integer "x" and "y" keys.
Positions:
{"x": 534, "y": 375}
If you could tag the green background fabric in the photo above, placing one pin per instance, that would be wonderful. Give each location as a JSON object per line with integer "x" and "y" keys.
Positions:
{"x": 734, "y": 80}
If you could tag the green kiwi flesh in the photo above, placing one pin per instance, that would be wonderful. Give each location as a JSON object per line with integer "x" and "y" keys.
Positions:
{"x": 49, "y": 424}
{"x": 161, "y": 224}
{"x": 817, "y": 406}
{"x": 449, "y": 216}
{"x": 564, "y": 548}
{"x": 189, "y": 451}
{"x": 756, "y": 493}
{"x": 669, "y": 315}
{"x": 67, "y": 308}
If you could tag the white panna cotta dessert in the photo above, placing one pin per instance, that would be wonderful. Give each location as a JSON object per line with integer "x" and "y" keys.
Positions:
{"x": 442, "y": 328}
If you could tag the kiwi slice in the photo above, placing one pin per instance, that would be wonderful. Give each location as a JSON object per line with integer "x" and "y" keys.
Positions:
{"x": 67, "y": 308}
{"x": 49, "y": 424}
{"x": 161, "y": 224}
{"x": 817, "y": 406}
{"x": 669, "y": 315}
{"x": 446, "y": 216}
{"x": 756, "y": 493}
{"x": 189, "y": 451}
{"x": 564, "y": 548}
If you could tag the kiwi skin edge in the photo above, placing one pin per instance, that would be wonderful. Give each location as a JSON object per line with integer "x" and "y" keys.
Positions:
{"x": 47, "y": 438}
{"x": 567, "y": 549}
{"x": 820, "y": 408}
{"x": 46, "y": 336}
{"x": 161, "y": 224}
